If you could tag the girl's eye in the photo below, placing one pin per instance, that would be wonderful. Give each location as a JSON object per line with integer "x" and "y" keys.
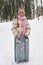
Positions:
{"x": 21, "y": 12}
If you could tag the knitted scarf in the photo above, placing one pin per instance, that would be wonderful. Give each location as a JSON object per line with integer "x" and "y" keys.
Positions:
{"x": 23, "y": 20}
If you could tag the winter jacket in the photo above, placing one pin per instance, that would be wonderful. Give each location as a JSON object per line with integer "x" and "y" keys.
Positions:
{"x": 17, "y": 28}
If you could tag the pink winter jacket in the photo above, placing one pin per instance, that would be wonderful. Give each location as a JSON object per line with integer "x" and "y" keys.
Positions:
{"x": 23, "y": 20}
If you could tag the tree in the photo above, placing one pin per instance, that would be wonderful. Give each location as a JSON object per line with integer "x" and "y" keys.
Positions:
{"x": 32, "y": 9}
{"x": 1, "y": 7}
{"x": 39, "y": 11}
{"x": 27, "y": 8}
{"x": 37, "y": 8}
{"x": 41, "y": 6}
{"x": 6, "y": 10}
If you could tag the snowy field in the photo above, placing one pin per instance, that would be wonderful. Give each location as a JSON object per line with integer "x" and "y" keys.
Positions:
{"x": 35, "y": 44}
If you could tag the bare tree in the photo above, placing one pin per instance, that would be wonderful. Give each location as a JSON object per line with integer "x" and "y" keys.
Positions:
{"x": 41, "y": 6}
{"x": 37, "y": 7}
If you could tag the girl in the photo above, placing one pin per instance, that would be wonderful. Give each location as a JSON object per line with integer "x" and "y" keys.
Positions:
{"x": 20, "y": 25}
{"x": 21, "y": 30}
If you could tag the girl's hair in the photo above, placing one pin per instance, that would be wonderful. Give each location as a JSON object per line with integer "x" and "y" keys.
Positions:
{"x": 21, "y": 9}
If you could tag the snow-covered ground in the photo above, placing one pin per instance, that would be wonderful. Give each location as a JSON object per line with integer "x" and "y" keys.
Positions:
{"x": 35, "y": 44}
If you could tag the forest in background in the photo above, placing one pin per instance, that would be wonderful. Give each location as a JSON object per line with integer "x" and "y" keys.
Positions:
{"x": 9, "y": 8}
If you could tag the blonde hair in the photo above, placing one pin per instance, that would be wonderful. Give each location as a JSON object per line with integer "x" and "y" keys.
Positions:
{"x": 21, "y": 9}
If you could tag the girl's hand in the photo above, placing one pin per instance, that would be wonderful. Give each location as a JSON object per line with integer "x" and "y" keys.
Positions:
{"x": 27, "y": 33}
{"x": 18, "y": 35}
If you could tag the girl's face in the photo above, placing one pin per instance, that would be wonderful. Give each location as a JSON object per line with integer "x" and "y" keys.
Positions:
{"x": 21, "y": 13}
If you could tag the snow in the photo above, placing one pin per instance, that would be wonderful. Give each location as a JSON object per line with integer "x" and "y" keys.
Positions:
{"x": 35, "y": 43}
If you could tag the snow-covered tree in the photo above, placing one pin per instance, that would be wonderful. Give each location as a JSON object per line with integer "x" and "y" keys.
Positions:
{"x": 32, "y": 9}
{"x": 41, "y": 6}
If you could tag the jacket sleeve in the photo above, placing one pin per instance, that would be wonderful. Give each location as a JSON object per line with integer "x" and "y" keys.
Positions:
{"x": 28, "y": 29}
{"x": 14, "y": 27}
